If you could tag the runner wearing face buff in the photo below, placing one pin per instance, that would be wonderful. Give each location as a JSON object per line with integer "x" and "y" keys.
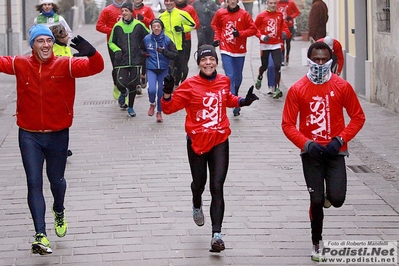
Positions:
{"x": 322, "y": 134}
{"x": 319, "y": 74}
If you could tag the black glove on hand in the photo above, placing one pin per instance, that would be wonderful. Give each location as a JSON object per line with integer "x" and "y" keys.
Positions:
{"x": 284, "y": 36}
{"x": 140, "y": 17}
{"x": 178, "y": 29}
{"x": 84, "y": 47}
{"x": 315, "y": 149}
{"x": 118, "y": 55}
{"x": 169, "y": 82}
{"x": 249, "y": 98}
{"x": 216, "y": 43}
{"x": 236, "y": 33}
{"x": 160, "y": 50}
{"x": 266, "y": 38}
{"x": 332, "y": 148}
{"x": 288, "y": 18}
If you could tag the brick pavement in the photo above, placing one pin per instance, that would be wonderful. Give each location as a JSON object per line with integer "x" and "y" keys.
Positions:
{"x": 128, "y": 200}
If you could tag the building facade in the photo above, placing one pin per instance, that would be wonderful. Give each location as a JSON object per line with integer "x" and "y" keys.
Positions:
{"x": 16, "y": 18}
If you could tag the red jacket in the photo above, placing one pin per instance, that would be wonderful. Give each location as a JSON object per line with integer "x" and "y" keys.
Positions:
{"x": 191, "y": 10}
{"x": 205, "y": 101}
{"x": 337, "y": 51}
{"x": 224, "y": 22}
{"x": 320, "y": 111}
{"x": 107, "y": 19}
{"x": 46, "y": 91}
{"x": 271, "y": 24}
{"x": 146, "y": 12}
{"x": 288, "y": 8}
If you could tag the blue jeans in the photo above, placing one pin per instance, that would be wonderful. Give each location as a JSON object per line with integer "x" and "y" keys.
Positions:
{"x": 155, "y": 85}
{"x": 332, "y": 171}
{"x": 35, "y": 148}
{"x": 233, "y": 67}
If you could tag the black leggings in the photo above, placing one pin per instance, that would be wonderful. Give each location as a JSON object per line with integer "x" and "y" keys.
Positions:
{"x": 217, "y": 160}
{"x": 287, "y": 47}
{"x": 332, "y": 171}
{"x": 128, "y": 78}
{"x": 264, "y": 57}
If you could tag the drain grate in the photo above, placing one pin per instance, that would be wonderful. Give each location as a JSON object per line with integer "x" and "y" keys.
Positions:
{"x": 100, "y": 102}
{"x": 359, "y": 169}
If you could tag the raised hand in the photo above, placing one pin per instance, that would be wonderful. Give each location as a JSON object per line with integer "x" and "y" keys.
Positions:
{"x": 169, "y": 81}
{"x": 250, "y": 98}
{"x": 84, "y": 47}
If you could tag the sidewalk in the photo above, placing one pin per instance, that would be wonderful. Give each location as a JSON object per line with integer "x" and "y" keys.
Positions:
{"x": 128, "y": 200}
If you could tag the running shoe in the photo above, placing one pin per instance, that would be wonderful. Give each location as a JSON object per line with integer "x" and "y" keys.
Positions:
{"x": 236, "y": 111}
{"x": 139, "y": 90}
{"x": 41, "y": 245}
{"x": 131, "y": 112}
{"x": 271, "y": 90}
{"x": 258, "y": 83}
{"x": 159, "y": 117}
{"x": 60, "y": 224}
{"x": 217, "y": 243}
{"x": 278, "y": 94}
{"x": 152, "y": 109}
{"x": 316, "y": 252}
{"x": 122, "y": 102}
{"x": 198, "y": 216}
{"x": 116, "y": 93}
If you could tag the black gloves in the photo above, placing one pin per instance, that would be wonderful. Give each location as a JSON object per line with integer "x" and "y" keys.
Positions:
{"x": 288, "y": 18}
{"x": 332, "y": 148}
{"x": 216, "y": 43}
{"x": 160, "y": 50}
{"x": 118, "y": 55}
{"x": 178, "y": 29}
{"x": 84, "y": 47}
{"x": 236, "y": 33}
{"x": 140, "y": 17}
{"x": 284, "y": 36}
{"x": 169, "y": 82}
{"x": 315, "y": 149}
{"x": 249, "y": 98}
{"x": 265, "y": 38}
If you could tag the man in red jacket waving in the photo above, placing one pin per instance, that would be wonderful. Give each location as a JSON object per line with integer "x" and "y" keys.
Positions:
{"x": 45, "y": 98}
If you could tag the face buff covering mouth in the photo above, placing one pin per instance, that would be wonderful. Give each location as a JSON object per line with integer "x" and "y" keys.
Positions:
{"x": 319, "y": 74}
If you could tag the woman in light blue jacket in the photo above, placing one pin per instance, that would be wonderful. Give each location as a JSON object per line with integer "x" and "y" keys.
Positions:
{"x": 159, "y": 51}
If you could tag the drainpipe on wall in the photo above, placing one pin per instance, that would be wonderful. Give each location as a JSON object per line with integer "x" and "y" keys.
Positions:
{"x": 9, "y": 28}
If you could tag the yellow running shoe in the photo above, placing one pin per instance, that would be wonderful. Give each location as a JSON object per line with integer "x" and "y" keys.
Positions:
{"x": 60, "y": 224}
{"x": 41, "y": 245}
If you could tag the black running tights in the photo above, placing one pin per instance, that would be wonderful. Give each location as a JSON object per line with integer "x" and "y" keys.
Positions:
{"x": 217, "y": 160}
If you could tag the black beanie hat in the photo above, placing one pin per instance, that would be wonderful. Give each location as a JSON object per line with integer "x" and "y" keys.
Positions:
{"x": 157, "y": 20}
{"x": 206, "y": 50}
{"x": 128, "y": 6}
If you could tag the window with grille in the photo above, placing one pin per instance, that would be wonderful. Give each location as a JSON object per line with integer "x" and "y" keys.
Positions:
{"x": 383, "y": 16}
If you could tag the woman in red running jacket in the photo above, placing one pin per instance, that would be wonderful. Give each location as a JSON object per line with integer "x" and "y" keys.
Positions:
{"x": 205, "y": 98}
